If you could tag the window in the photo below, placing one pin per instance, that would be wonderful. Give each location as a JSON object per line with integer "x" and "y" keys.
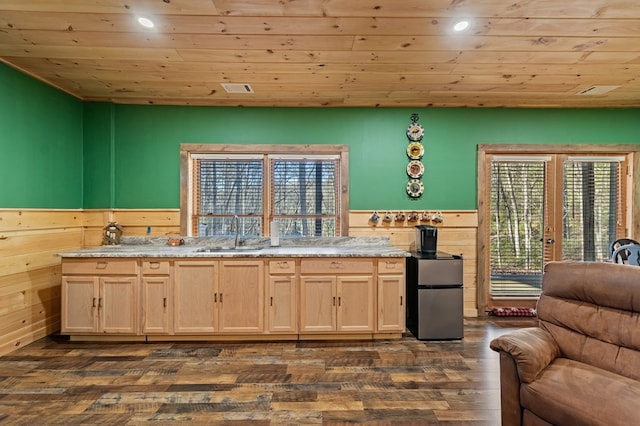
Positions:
{"x": 302, "y": 188}
{"x": 304, "y": 195}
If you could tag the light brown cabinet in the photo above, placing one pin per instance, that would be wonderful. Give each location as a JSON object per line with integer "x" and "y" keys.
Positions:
{"x": 337, "y": 295}
{"x": 195, "y": 297}
{"x": 156, "y": 297}
{"x": 391, "y": 295}
{"x": 100, "y": 296}
{"x": 163, "y": 297}
{"x": 218, "y": 296}
{"x": 282, "y": 297}
{"x": 241, "y": 296}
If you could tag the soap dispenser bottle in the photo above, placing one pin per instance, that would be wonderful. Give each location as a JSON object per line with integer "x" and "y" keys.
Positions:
{"x": 275, "y": 233}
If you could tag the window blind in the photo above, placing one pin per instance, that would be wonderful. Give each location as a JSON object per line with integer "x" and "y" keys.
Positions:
{"x": 224, "y": 188}
{"x": 304, "y": 196}
{"x": 591, "y": 204}
{"x": 517, "y": 226}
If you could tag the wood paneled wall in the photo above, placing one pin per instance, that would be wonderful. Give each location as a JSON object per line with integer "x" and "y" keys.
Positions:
{"x": 30, "y": 273}
{"x": 457, "y": 234}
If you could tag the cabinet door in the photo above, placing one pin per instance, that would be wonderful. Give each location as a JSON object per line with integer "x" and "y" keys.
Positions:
{"x": 391, "y": 303}
{"x": 195, "y": 296}
{"x": 241, "y": 296}
{"x": 317, "y": 303}
{"x": 155, "y": 305}
{"x": 118, "y": 305}
{"x": 282, "y": 304}
{"x": 356, "y": 306}
{"x": 79, "y": 304}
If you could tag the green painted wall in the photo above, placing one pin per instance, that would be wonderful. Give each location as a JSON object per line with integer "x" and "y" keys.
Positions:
{"x": 58, "y": 152}
{"x": 98, "y": 191}
{"x": 147, "y": 140}
{"x": 40, "y": 144}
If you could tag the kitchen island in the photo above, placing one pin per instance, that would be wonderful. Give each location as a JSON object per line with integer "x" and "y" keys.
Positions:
{"x": 217, "y": 289}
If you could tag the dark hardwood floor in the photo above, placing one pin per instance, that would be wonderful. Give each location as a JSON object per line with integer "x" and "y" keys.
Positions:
{"x": 401, "y": 382}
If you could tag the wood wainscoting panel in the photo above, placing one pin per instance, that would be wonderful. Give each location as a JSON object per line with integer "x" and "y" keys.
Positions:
{"x": 161, "y": 222}
{"x": 30, "y": 274}
{"x": 134, "y": 222}
{"x": 457, "y": 234}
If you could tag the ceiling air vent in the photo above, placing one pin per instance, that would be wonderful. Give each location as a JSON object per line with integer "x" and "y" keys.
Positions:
{"x": 237, "y": 87}
{"x": 597, "y": 90}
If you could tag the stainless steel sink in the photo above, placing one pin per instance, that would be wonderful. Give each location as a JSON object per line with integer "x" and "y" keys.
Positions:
{"x": 226, "y": 249}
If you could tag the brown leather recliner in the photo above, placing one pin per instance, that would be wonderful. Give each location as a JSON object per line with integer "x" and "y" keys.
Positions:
{"x": 581, "y": 366}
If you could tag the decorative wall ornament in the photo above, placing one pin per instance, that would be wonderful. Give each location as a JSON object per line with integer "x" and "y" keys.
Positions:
{"x": 415, "y": 151}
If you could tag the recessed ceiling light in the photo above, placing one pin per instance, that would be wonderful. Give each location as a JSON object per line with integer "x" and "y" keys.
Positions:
{"x": 145, "y": 22}
{"x": 461, "y": 26}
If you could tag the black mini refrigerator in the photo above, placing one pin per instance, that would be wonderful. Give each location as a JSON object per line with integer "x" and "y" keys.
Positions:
{"x": 435, "y": 307}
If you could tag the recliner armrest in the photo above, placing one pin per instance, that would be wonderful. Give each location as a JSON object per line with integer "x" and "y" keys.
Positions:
{"x": 531, "y": 348}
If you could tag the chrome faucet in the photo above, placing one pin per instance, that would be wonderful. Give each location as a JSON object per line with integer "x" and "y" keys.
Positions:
{"x": 235, "y": 223}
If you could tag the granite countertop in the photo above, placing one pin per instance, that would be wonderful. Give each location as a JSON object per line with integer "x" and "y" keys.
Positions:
{"x": 249, "y": 247}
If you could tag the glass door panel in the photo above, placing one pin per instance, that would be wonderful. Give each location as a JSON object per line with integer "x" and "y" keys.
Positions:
{"x": 517, "y": 210}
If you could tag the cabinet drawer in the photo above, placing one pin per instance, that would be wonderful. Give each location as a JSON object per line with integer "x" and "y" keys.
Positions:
{"x": 336, "y": 265}
{"x": 155, "y": 267}
{"x": 282, "y": 267}
{"x": 391, "y": 266}
{"x": 100, "y": 266}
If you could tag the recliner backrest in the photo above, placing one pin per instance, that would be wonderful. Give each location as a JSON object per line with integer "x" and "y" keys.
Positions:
{"x": 592, "y": 309}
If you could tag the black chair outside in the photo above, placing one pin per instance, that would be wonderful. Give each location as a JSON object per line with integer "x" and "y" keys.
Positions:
{"x": 629, "y": 254}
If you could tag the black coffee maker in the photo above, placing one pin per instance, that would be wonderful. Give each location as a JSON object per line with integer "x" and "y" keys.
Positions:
{"x": 427, "y": 240}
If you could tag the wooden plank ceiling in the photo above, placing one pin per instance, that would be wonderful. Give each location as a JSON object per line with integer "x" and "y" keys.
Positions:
{"x": 517, "y": 53}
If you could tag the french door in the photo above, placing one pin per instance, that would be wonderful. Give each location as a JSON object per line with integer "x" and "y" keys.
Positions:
{"x": 543, "y": 204}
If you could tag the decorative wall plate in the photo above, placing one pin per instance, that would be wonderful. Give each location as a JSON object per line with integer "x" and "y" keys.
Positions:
{"x": 415, "y": 132}
{"x": 415, "y": 188}
{"x": 415, "y": 150}
{"x": 415, "y": 169}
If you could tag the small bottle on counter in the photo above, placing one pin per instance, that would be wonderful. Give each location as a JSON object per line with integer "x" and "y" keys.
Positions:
{"x": 275, "y": 233}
